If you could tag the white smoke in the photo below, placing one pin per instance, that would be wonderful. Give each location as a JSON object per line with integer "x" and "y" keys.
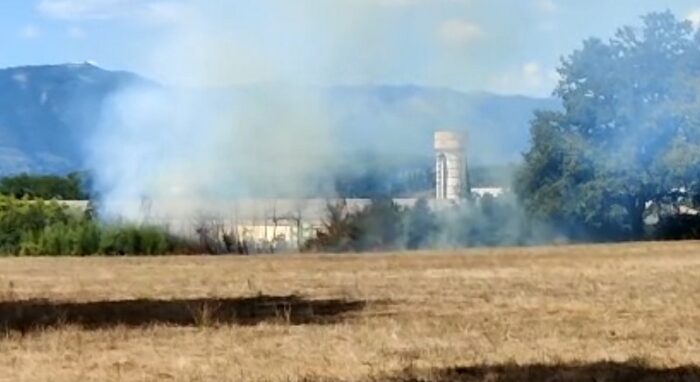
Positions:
{"x": 193, "y": 145}
{"x": 195, "y": 139}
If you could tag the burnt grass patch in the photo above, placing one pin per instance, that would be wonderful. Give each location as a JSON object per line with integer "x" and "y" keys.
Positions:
{"x": 29, "y": 315}
{"x": 631, "y": 371}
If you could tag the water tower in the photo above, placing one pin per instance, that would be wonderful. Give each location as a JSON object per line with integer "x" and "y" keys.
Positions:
{"x": 451, "y": 180}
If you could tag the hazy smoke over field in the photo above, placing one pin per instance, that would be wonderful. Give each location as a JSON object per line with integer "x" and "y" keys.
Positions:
{"x": 243, "y": 110}
{"x": 190, "y": 149}
{"x": 195, "y": 140}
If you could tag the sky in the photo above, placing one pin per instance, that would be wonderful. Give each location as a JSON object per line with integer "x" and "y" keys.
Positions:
{"x": 502, "y": 46}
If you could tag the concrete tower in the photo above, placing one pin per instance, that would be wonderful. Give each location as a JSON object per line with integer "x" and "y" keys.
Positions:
{"x": 451, "y": 181}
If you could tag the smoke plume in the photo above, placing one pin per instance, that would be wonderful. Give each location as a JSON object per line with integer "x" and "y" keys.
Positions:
{"x": 231, "y": 119}
{"x": 243, "y": 110}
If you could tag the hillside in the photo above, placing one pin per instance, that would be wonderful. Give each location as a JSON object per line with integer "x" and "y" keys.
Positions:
{"x": 401, "y": 120}
{"x": 46, "y": 113}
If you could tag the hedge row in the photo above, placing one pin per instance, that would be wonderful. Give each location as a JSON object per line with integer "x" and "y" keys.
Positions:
{"x": 40, "y": 228}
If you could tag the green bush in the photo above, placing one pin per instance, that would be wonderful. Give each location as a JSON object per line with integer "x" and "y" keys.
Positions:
{"x": 39, "y": 228}
{"x": 134, "y": 240}
{"x": 81, "y": 238}
{"x": 381, "y": 225}
{"x": 23, "y": 219}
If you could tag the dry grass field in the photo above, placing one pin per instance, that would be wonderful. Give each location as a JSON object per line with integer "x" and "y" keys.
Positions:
{"x": 585, "y": 313}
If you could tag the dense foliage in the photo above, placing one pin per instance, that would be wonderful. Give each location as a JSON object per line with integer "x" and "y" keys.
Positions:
{"x": 69, "y": 187}
{"x": 35, "y": 227}
{"x": 384, "y": 225}
{"x": 625, "y": 147}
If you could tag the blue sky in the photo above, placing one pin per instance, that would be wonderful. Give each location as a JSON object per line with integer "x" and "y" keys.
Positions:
{"x": 506, "y": 46}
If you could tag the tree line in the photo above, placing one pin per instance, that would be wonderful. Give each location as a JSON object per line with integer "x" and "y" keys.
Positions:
{"x": 73, "y": 186}
{"x": 621, "y": 161}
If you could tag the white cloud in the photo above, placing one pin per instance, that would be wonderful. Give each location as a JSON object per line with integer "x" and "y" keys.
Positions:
{"x": 84, "y": 9}
{"x": 158, "y": 12}
{"x": 548, "y": 26}
{"x": 150, "y": 11}
{"x": 30, "y": 32}
{"x": 405, "y": 3}
{"x": 532, "y": 78}
{"x": 76, "y": 33}
{"x": 694, "y": 17}
{"x": 546, "y": 6}
{"x": 395, "y": 3}
{"x": 459, "y": 32}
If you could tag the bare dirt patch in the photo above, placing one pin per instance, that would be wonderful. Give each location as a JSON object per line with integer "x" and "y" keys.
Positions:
{"x": 633, "y": 371}
{"x": 31, "y": 315}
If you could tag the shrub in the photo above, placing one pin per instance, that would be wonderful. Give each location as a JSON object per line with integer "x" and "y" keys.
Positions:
{"x": 23, "y": 219}
{"x": 134, "y": 240}
{"x": 383, "y": 225}
{"x": 379, "y": 226}
{"x": 39, "y": 228}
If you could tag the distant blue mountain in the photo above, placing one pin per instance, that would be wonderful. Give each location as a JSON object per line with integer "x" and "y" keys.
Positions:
{"x": 400, "y": 120}
{"x": 46, "y": 113}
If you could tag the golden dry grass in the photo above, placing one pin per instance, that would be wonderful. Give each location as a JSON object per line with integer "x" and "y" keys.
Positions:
{"x": 405, "y": 316}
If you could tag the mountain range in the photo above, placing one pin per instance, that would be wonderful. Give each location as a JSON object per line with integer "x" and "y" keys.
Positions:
{"x": 46, "y": 113}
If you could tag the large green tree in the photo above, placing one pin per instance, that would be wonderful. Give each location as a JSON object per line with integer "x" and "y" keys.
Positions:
{"x": 628, "y": 134}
